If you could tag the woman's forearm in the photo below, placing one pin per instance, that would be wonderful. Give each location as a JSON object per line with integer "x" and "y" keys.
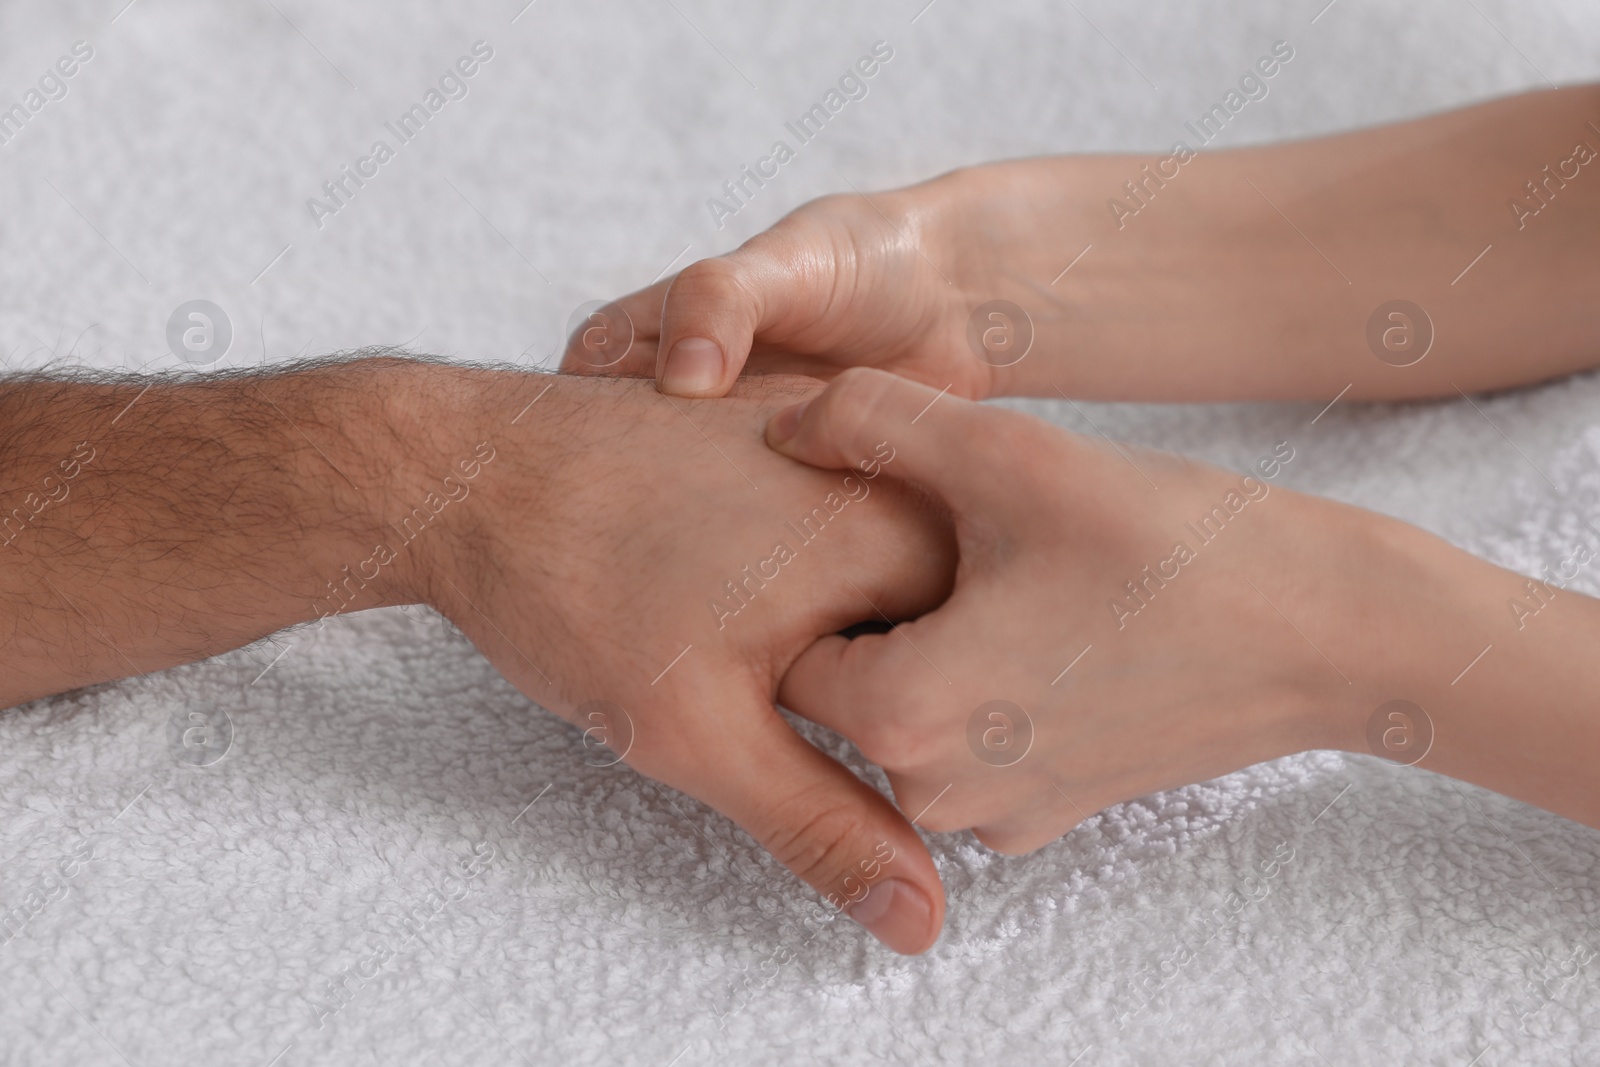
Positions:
{"x": 1261, "y": 272}
{"x": 1456, "y": 665}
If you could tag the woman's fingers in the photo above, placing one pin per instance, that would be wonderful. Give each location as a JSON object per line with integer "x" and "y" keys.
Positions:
{"x": 873, "y": 421}
{"x": 703, "y": 321}
{"x": 716, "y": 308}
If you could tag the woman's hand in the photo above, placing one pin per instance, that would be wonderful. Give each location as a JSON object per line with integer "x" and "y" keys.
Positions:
{"x": 1126, "y": 621}
{"x": 842, "y": 281}
{"x": 1306, "y": 270}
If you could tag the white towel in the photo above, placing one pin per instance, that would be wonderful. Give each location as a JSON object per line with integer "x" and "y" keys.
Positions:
{"x": 393, "y": 819}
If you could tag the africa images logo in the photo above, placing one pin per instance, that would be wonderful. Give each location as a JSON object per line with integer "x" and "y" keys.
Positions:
{"x": 52, "y": 86}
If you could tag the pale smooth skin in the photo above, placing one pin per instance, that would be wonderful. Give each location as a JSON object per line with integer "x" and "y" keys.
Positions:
{"x": 582, "y": 559}
{"x": 1249, "y": 275}
{"x": 1285, "y": 632}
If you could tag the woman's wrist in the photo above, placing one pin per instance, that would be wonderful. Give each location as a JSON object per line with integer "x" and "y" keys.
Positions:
{"x": 1353, "y": 610}
{"x": 1408, "y": 609}
{"x": 1107, "y": 298}
{"x": 1459, "y": 666}
{"x": 1260, "y": 273}
{"x": 997, "y": 231}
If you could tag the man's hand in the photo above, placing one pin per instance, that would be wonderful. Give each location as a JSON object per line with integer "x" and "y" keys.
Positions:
{"x": 614, "y": 552}
{"x": 654, "y": 554}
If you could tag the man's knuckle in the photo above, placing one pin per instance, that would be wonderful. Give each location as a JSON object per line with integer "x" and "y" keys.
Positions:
{"x": 821, "y": 844}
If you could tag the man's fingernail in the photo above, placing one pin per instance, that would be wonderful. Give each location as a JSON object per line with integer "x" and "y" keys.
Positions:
{"x": 693, "y": 367}
{"x": 786, "y": 423}
{"x": 896, "y": 913}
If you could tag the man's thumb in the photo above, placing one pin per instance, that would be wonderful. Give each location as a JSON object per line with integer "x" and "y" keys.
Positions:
{"x": 831, "y": 829}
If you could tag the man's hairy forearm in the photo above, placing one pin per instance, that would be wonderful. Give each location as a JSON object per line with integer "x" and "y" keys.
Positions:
{"x": 578, "y": 531}
{"x": 145, "y": 524}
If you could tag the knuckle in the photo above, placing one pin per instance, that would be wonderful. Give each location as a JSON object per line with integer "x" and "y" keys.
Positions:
{"x": 713, "y": 280}
{"x": 889, "y": 745}
{"x": 824, "y": 843}
{"x": 854, "y": 208}
{"x": 827, "y": 209}
{"x": 783, "y": 246}
{"x": 855, "y": 405}
{"x": 900, "y": 735}
{"x": 863, "y": 385}
{"x": 832, "y": 204}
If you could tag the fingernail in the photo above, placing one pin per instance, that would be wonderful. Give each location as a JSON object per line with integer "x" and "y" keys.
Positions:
{"x": 896, "y": 913}
{"x": 786, "y": 423}
{"x": 693, "y": 367}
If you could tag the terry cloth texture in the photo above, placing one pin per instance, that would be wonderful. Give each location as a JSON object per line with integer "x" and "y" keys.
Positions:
{"x": 361, "y": 879}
